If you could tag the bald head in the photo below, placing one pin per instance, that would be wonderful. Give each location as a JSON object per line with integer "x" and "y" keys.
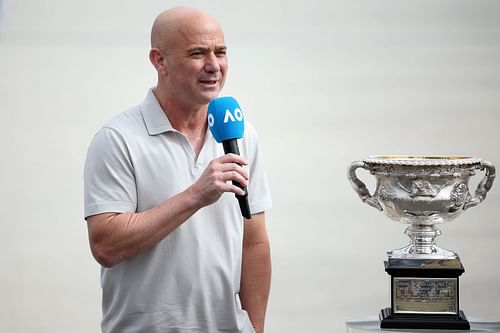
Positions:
{"x": 178, "y": 21}
{"x": 189, "y": 54}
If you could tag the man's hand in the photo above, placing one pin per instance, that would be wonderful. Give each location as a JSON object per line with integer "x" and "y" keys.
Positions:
{"x": 217, "y": 179}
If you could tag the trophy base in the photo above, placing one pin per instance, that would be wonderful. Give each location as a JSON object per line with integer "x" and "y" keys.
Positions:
{"x": 423, "y": 321}
{"x": 424, "y": 295}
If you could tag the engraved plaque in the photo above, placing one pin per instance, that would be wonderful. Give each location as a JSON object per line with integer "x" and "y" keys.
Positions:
{"x": 429, "y": 295}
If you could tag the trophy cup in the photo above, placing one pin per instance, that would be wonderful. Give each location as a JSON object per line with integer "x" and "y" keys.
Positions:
{"x": 423, "y": 191}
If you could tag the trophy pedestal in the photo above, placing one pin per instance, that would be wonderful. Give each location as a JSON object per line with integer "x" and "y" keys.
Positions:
{"x": 424, "y": 295}
{"x": 441, "y": 322}
{"x": 371, "y": 324}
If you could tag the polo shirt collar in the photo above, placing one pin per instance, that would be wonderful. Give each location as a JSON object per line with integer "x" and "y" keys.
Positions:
{"x": 154, "y": 117}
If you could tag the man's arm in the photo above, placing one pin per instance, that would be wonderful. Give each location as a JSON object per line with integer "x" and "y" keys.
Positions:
{"x": 115, "y": 237}
{"x": 256, "y": 270}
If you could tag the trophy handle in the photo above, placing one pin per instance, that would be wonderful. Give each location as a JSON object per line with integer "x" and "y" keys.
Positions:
{"x": 360, "y": 187}
{"x": 483, "y": 187}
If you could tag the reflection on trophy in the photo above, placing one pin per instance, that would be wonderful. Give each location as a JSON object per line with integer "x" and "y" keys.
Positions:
{"x": 423, "y": 191}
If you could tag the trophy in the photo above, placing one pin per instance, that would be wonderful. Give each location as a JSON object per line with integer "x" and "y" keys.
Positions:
{"x": 423, "y": 191}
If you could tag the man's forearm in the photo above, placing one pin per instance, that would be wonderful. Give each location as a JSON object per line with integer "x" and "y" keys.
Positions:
{"x": 255, "y": 282}
{"x": 116, "y": 237}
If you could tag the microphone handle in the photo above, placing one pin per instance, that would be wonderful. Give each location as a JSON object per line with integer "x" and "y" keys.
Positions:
{"x": 231, "y": 146}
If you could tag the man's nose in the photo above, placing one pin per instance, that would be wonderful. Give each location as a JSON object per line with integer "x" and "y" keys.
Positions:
{"x": 212, "y": 63}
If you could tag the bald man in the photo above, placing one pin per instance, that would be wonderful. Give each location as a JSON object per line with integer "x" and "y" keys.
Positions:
{"x": 162, "y": 218}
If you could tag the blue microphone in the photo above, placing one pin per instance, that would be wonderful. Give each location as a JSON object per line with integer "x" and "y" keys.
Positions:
{"x": 225, "y": 121}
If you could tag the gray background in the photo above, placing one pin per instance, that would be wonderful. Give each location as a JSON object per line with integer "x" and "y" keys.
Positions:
{"x": 325, "y": 83}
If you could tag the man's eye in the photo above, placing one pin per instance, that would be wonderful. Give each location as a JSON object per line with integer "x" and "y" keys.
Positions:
{"x": 221, "y": 53}
{"x": 196, "y": 54}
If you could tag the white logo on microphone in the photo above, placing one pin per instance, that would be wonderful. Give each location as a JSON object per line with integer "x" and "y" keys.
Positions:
{"x": 229, "y": 116}
{"x": 211, "y": 120}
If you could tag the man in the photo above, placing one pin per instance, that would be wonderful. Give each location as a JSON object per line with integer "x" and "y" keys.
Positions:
{"x": 159, "y": 202}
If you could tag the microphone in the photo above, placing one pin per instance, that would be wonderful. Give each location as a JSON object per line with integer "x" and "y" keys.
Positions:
{"x": 225, "y": 121}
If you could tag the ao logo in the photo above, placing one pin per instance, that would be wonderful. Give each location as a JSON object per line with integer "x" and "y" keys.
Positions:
{"x": 238, "y": 116}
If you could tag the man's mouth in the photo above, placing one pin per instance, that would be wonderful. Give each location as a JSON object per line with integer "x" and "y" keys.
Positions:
{"x": 209, "y": 82}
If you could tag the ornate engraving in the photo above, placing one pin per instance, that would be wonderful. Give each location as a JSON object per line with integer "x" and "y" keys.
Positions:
{"x": 459, "y": 195}
{"x": 425, "y": 166}
{"x": 421, "y": 188}
{"x": 385, "y": 194}
{"x": 424, "y": 188}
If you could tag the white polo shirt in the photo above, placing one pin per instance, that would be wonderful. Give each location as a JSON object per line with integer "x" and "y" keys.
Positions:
{"x": 189, "y": 282}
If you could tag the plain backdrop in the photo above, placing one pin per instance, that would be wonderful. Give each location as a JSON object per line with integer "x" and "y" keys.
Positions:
{"x": 324, "y": 82}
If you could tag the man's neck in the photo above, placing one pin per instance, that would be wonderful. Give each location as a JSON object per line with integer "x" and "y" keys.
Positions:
{"x": 189, "y": 119}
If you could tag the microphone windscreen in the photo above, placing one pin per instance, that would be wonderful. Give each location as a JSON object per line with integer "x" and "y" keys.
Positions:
{"x": 225, "y": 119}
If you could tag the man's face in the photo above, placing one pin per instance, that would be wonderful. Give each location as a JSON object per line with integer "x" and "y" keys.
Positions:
{"x": 196, "y": 63}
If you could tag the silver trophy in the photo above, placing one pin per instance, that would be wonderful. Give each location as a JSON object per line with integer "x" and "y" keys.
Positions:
{"x": 423, "y": 191}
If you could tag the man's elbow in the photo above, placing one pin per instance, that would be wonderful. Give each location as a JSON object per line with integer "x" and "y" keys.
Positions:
{"x": 101, "y": 243}
{"x": 103, "y": 255}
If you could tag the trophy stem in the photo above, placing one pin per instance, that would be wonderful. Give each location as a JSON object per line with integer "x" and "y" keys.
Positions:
{"x": 423, "y": 238}
{"x": 422, "y": 244}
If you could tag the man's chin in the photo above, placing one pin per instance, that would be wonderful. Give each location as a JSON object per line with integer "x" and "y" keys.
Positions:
{"x": 207, "y": 97}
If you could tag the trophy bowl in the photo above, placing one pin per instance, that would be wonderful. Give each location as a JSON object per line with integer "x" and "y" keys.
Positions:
{"x": 422, "y": 191}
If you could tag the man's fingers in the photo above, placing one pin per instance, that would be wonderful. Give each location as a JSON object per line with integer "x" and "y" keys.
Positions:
{"x": 233, "y": 167}
{"x": 235, "y": 176}
{"x": 237, "y": 190}
{"x": 230, "y": 187}
{"x": 233, "y": 158}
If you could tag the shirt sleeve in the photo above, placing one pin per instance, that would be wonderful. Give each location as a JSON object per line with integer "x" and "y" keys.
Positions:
{"x": 259, "y": 195}
{"x": 109, "y": 181}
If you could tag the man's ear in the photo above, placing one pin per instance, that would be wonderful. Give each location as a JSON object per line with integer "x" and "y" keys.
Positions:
{"x": 158, "y": 60}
